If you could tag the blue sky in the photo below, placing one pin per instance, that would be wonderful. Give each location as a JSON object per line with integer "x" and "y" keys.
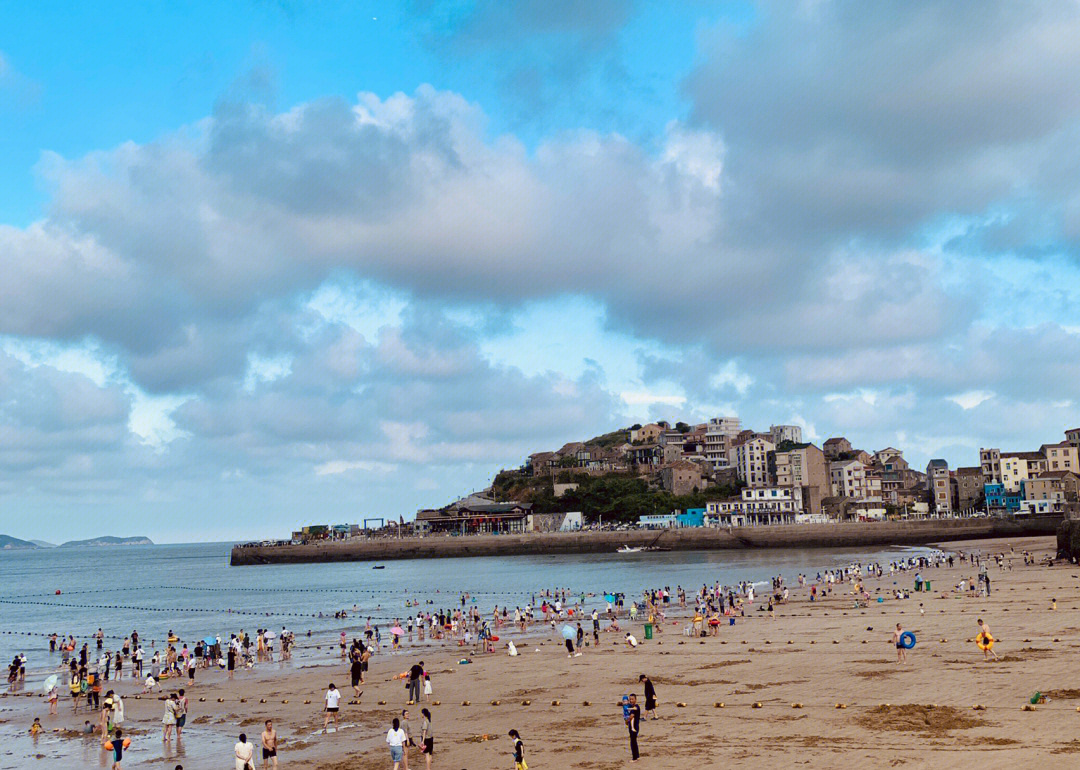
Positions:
{"x": 275, "y": 262}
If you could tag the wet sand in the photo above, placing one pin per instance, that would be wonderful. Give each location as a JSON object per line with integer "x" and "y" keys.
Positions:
{"x": 817, "y": 654}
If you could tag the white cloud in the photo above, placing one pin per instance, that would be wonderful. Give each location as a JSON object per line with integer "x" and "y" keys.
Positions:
{"x": 336, "y": 467}
{"x": 971, "y": 398}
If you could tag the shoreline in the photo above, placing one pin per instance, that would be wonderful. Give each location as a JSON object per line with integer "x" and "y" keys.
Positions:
{"x": 839, "y": 535}
{"x": 813, "y": 654}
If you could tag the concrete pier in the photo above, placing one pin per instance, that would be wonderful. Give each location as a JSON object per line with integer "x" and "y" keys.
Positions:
{"x": 847, "y": 534}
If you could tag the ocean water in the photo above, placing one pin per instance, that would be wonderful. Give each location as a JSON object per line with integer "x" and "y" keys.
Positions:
{"x": 192, "y": 591}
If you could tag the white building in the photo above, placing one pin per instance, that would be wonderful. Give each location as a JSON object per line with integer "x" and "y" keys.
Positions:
{"x": 851, "y": 479}
{"x": 782, "y": 433}
{"x": 719, "y": 432}
{"x": 763, "y": 505}
{"x": 752, "y": 461}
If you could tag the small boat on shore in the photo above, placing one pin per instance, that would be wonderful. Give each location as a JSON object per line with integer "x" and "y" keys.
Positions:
{"x": 628, "y": 549}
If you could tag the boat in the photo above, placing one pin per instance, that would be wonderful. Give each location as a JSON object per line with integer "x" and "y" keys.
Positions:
{"x": 379, "y": 566}
{"x": 628, "y": 549}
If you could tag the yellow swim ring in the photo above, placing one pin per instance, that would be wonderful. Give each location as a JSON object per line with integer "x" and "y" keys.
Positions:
{"x": 984, "y": 640}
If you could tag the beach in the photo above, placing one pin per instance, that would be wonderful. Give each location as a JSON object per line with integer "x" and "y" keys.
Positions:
{"x": 817, "y": 682}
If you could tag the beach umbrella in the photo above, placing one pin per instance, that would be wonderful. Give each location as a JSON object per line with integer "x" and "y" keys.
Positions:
{"x": 210, "y": 640}
{"x": 568, "y": 632}
{"x": 396, "y": 631}
{"x": 49, "y": 683}
{"x": 609, "y": 597}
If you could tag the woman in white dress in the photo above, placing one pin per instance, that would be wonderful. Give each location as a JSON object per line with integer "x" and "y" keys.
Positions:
{"x": 169, "y": 718}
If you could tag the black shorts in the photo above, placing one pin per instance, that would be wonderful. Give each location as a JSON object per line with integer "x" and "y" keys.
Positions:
{"x": 363, "y": 665}
{"x": 330, "y": 710}
{"x": 267, "y": 753}
{"x": 428, "y": 747}
{"x": 355, "y": 677}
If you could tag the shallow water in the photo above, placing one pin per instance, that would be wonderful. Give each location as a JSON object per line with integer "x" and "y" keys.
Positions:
{"x": 192, "y": 590}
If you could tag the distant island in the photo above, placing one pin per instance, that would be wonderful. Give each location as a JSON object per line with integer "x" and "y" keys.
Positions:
{"x": 108, "y": 540}
{"x": 43, "y": 544}
{"x": 9, "y": 543}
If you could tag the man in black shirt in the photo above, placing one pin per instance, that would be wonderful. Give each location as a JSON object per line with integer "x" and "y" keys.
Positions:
{"x": 416, "y": 675}
{"x": 633, "y": 721}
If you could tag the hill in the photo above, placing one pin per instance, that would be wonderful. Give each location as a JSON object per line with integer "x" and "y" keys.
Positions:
{"x": 43, "y": 544}
{"x": 108, "y": 540}
{"x": 9, "y": 543}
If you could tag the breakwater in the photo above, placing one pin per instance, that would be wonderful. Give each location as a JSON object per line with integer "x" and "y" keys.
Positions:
{"x": 844, "y": 534}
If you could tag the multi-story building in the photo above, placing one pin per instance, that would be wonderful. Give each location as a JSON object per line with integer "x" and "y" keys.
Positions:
{"x": 999, "y": 498}
{"x": 836, "y": 446}
{"x": 803, "y": 466}
{"x": 851, "y": 479}
{"x": 1018, "y": 467}
{"x": 762, "y": 505}
{"x": 969, "y": 488}
{"x": 1073, "y": 436}
{"x": 990, "y": 462}
{"x": 719, "y": 432}
{"x": 752, "y": 461}
{"x": 647, "y": 434}
{"x": 681, "y": 478}
{"x": 1053, "y": 485}
{"x": 1062, "y": 456}
{"x": 939, "y": 482}
{"x": 780, "y": 433}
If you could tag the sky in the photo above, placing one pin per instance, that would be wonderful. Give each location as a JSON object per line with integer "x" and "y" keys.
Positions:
{"x": 272, "y": 263}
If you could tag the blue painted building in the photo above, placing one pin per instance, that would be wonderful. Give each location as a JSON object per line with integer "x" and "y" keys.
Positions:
{"x": 1000, "y": 498}
{"x": 691, "y": 517}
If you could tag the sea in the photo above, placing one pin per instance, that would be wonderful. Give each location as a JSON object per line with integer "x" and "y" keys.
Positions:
{"x": 192, "y": 592}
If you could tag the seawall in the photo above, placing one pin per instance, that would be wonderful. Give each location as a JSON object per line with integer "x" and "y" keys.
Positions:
{"x": 845, "y": 534}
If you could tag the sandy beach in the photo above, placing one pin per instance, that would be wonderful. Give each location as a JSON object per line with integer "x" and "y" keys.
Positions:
{"x": 817, "y": 683}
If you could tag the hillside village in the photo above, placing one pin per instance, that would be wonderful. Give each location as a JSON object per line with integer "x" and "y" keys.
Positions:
{"x": 719, "y": 474}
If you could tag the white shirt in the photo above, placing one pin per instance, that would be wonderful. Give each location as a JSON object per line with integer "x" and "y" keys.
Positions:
{"x": 244, "y": 752}
{"x": 395, "y": 737}
{"x": 632, "y": 640}
{"x": 332, "y": 698}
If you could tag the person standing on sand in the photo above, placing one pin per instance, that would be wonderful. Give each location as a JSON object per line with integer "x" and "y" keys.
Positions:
{"x": 416, "y": 676}
{"x": 901, "y": 651}
{"x": 244, "y": 752}
{"x": 427, "y": 737}
{"x": 269, "y": 746}
{"x": 395, "y": 739}
{"x": 650, "y": 697}
{"x": 332, "y": 698}
{"x": 633, "y": 723}
{"x": 519, "y": 751}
